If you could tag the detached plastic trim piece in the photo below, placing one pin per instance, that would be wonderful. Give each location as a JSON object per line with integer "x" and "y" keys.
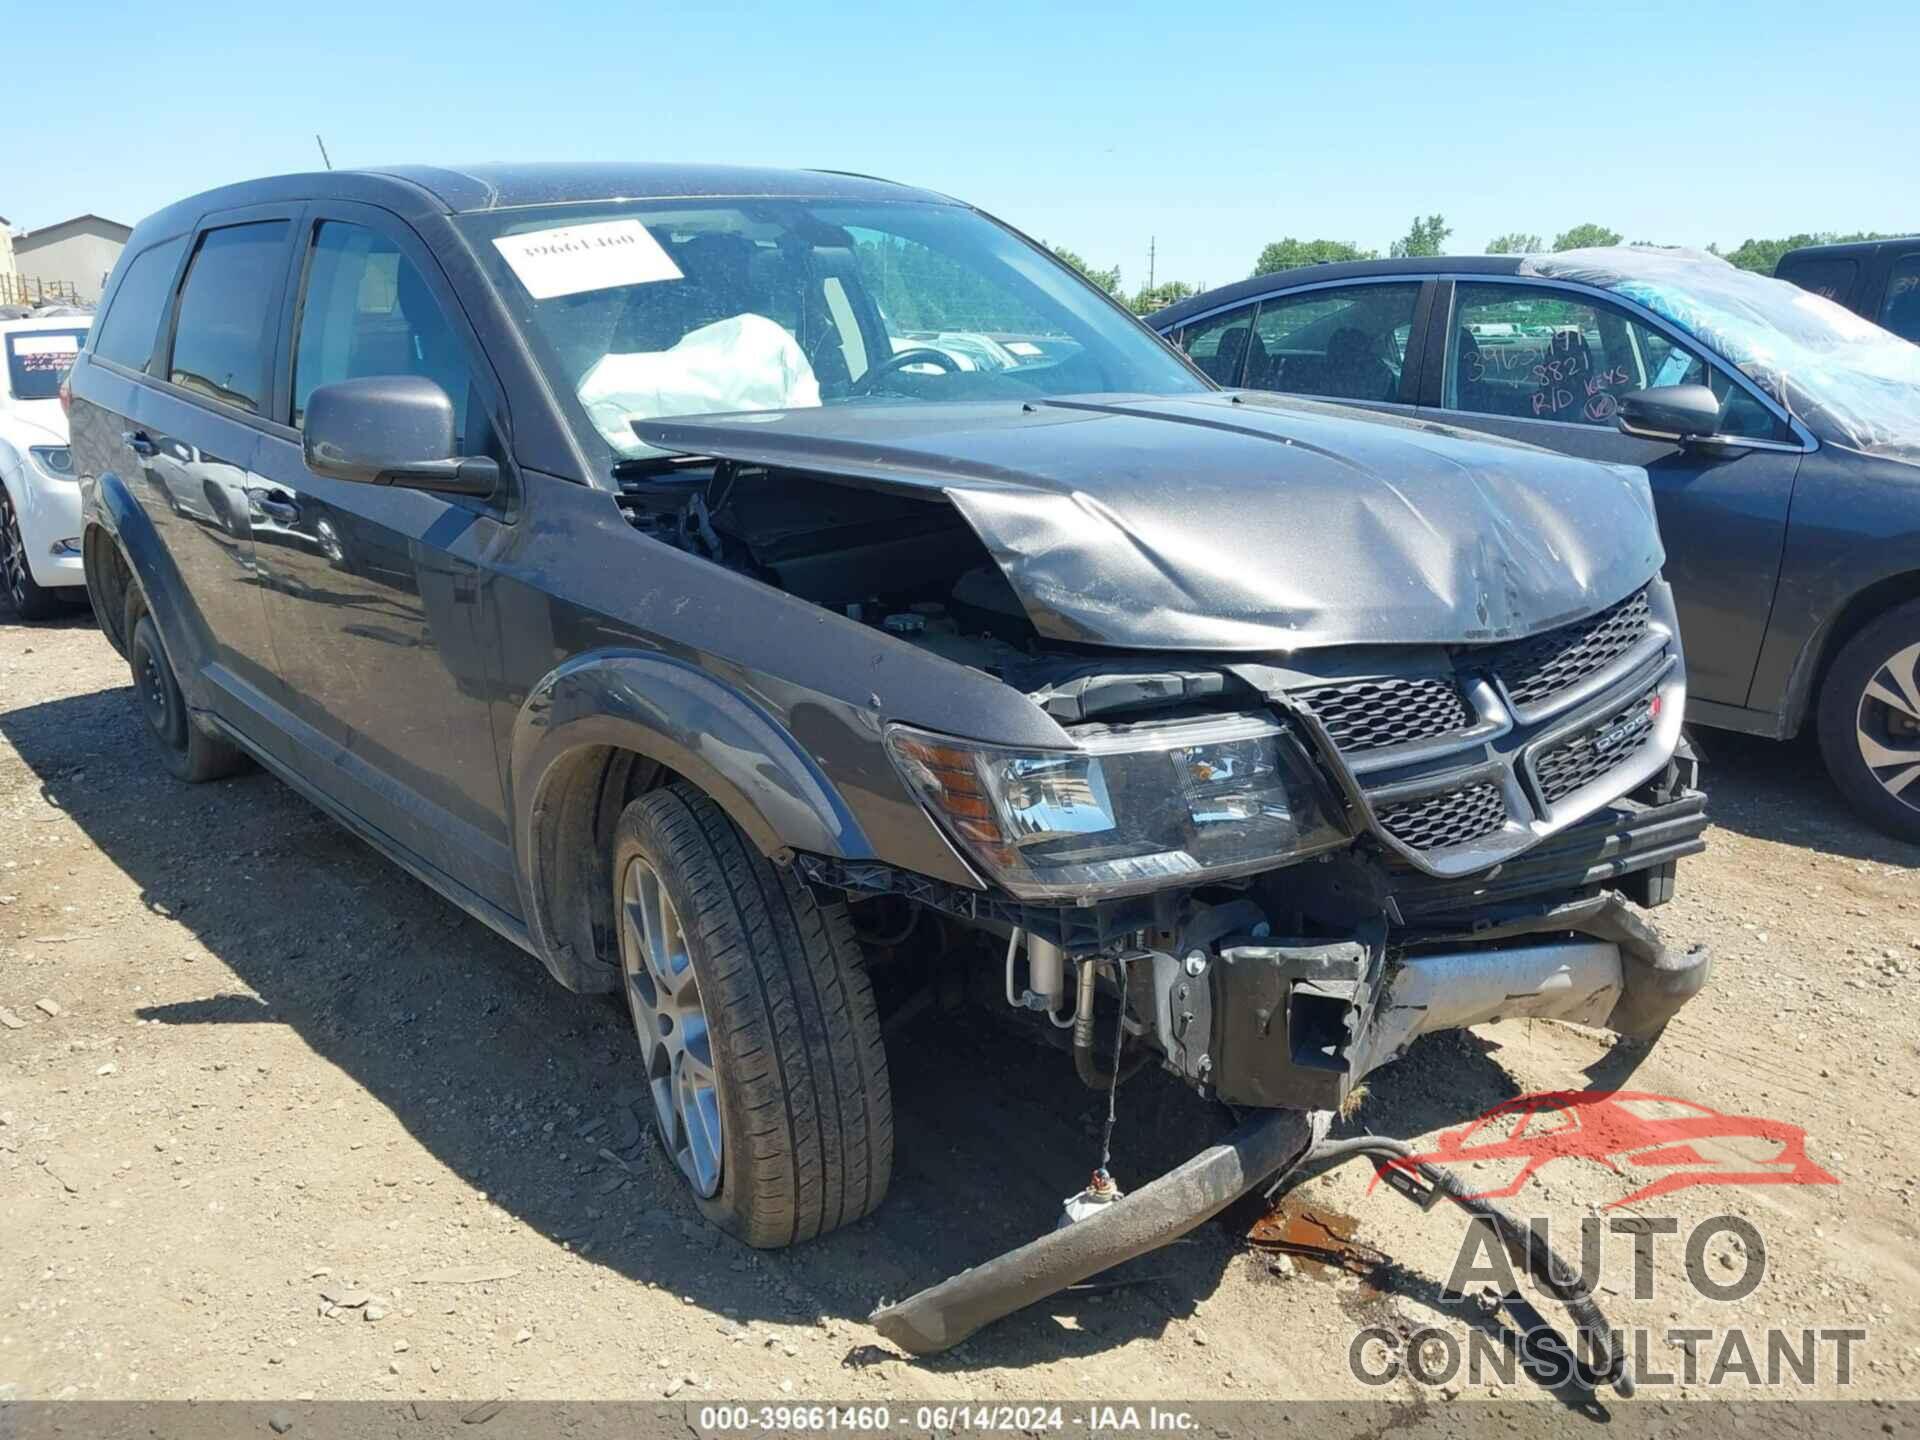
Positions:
{"x": 943, "y": 1315}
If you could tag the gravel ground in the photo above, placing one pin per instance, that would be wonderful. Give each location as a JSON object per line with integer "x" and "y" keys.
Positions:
{"x": 277, "y": 1122}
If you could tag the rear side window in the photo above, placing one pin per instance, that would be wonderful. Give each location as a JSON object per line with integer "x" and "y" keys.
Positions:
{"x": 1830, "y": 276}
{"x": 223, "y": 337}
{"x": 1901, "y": 312}
{"x": 36, "y": 359}
{"x": 368, "y": 312}
{"x": 126, "y": 333}
{"x": 1218, "y": 344}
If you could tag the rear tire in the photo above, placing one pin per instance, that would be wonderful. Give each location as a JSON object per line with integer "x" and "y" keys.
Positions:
{"x": 756, "y": 1022}
{"x": 30, "y": 600}
{"x": 188, "y": 752}
{"x": 1870, "y": 722}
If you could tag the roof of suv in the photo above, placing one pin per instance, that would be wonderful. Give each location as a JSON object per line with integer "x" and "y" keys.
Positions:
{"x": 418, "y": 189}
{"x": 1855, "y": 247}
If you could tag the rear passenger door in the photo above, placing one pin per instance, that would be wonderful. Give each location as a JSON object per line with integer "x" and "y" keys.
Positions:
{"x": 378, "y": 592}
{"x": 1546, "y": 364}
{"x": 192, "y": 435}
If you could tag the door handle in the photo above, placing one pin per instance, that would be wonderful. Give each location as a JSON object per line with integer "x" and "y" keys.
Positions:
{"x": 139, "y": 442}
{"x": 277, "y": 505}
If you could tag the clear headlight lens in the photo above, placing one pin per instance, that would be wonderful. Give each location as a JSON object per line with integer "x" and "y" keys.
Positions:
{"x": 1131, "y": 809}
{"x": 53, "y": 461}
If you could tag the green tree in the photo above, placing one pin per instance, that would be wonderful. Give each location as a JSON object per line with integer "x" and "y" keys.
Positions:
{"x": 1424, "y": 238}
{"x": 1291, "y": 254}
{"x": 1147, "y": 300}
{"x": 1107, "y": 280}
{"x": 1762, "y": 255}
{"x": 1515, "y": 242}
{"x": 1582, "y": 237}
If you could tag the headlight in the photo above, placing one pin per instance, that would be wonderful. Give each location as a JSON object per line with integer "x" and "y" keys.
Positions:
{"x": 1129, "y": 809}
{"x": 53, "y": 461}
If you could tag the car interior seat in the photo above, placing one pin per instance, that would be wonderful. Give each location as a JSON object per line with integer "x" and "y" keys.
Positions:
{"x": 1355, "y": 370}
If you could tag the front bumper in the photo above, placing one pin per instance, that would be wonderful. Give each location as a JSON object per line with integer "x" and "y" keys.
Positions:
{"x": 49, "y": 512}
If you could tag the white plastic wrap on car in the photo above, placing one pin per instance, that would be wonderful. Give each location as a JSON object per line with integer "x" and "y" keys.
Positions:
{"x": 1852, "y": 383}
{"x": 746, "y": 362}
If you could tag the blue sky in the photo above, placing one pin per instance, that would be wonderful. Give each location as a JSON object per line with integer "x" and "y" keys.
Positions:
{"x": 1209, "y": 129}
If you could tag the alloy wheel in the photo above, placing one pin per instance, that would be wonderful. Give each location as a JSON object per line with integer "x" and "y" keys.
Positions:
{"x": 663, "y": 995}
{"x": 13, "y": 554}
{"x": 1887, "y": 726}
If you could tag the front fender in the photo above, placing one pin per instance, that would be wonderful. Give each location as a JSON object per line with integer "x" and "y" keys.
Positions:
{"x": 698, "y": 727}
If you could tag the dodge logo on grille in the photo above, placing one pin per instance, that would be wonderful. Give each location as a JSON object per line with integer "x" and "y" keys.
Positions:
{"x": 1627, "y": 731}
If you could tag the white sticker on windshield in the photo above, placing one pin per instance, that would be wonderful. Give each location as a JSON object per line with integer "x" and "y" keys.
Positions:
{"x": 46, "y": 344}
{"x": 571, "y": 259}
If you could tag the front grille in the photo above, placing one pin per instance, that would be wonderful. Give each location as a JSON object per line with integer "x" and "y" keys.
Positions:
{"x": 1373, "y": 714}
{"x": 1535, "y": 669}
{"x": 1577, "y": 761}
{"x": 1453, "y": 818}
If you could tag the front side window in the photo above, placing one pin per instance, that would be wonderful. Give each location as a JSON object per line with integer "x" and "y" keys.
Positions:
{"x": 1536, "y": 353}
{"x": 1342, "y": 344}
{"x": 697, "y": 307}
{"x": 126, "y": 333}
{"x": 1901, "y": 312}
{"x": 1218, "y": 344}
{"x": 367, "y": 311}
{"x": 36, "y": 359}
{"x": 222, "y": 340}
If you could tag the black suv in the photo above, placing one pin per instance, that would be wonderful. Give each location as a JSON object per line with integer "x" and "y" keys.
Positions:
{"x": 727, "y": 584}
{"x": 1782, "y": 437}
{"x": 1879, "y": 279}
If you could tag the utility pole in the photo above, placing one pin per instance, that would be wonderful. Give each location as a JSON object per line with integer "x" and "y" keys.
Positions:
{"x": 1150, "y": 244}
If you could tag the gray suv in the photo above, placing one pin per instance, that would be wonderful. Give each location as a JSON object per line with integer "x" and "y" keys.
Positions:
{"x": 748, "y": 591}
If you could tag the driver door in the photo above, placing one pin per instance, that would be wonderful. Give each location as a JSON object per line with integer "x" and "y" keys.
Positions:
{"x": 1546, "y": 364}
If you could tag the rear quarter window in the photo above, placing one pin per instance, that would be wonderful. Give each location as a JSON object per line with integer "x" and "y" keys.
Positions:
{"x": 126, "y": 333}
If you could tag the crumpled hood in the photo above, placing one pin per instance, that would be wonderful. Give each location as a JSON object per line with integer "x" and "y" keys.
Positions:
{"x": 1237, "y": 523}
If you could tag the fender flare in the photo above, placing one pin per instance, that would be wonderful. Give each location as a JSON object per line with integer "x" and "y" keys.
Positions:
{"x": 114, "y": 510}
{"x": 670, "y": 712}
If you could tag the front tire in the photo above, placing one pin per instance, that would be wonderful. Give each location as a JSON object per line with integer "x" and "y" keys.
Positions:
{"x": 757, "y": 1027}
{"x": 1870, "y": 722}
{"x": 30, "y": 600}
{"x": 188, "y": 752}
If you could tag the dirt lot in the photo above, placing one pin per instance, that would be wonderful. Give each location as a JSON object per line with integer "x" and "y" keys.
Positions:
{"x": 248, "y": 1067}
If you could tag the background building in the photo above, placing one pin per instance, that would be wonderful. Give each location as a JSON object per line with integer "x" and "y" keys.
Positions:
{"x": 72, "y": 257}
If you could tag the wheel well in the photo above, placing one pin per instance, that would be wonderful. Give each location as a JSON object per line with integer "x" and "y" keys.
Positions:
{"x": 109, "y": 579}
{"x": 580, "y": 802}
{"x": 1858, "y": 613}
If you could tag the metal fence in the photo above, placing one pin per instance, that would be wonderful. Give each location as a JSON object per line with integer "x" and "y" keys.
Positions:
{"x": 25, "y": 290}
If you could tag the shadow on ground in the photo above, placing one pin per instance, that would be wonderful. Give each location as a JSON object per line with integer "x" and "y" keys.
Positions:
{"x": 1778, "y": 790}
{"x": 472, "y": 1047}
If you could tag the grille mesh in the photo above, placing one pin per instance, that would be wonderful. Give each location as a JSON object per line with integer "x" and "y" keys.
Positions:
{"x": 1372, "y": 714}
{"x": 1453, "y": 818}
{"x": 1535, "y": 669}
{"x": 1575, "y": 762}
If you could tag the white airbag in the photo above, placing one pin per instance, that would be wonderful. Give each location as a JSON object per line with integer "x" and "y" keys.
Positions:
{"x": 744, "y": 363}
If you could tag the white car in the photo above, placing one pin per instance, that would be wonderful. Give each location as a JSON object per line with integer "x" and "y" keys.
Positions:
{"x": 40, "y": 562}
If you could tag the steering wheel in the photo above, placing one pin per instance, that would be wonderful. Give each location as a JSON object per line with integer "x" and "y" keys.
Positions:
{"x": 920, "y": 355}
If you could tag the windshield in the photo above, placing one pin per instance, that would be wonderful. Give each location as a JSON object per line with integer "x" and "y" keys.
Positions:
{"x": 699, "y": 307}
{"x": 36, "y": 359}
{"x": 1851, "y": 382}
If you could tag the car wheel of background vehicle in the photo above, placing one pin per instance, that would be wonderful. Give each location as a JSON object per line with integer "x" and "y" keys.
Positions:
{"x": 757, "y": 1026}
{"x": 188, "y": 753}
{"x": 29, "y": 600}
{"x": 1870, "y": 722}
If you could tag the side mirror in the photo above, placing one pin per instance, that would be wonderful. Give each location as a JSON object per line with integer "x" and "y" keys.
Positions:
{"x": 391, "y": 430}
{"x": 1670, "y": 412}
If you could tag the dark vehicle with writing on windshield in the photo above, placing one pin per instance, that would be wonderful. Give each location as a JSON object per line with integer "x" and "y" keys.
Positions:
{"x": 1780, "y": 432}
{"x": 1877, "y": 279}
{"x": 641, "y": 557}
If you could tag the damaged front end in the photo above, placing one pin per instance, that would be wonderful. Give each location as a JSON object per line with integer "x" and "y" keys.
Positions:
{"x": 1271, "y": 853}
